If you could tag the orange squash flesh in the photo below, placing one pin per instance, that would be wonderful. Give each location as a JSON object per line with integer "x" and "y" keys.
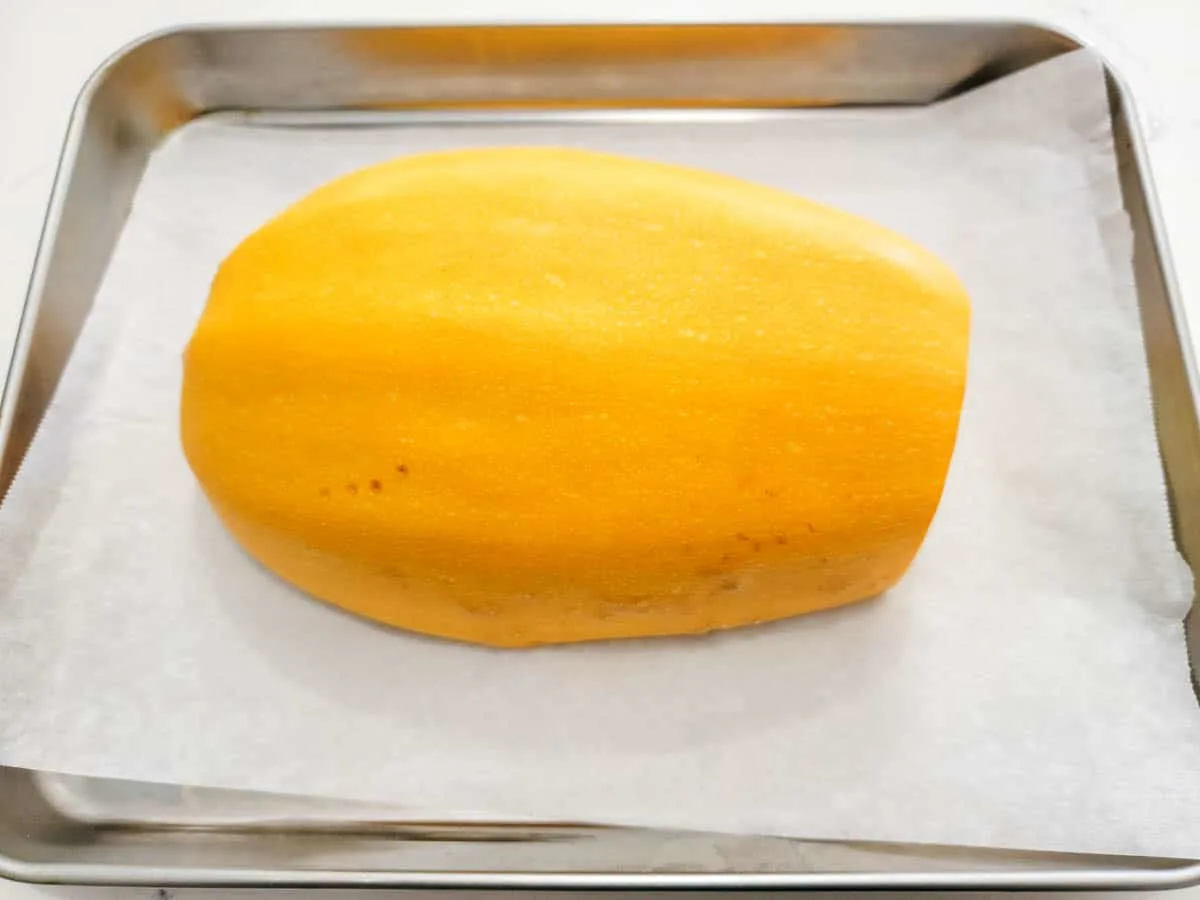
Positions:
{"x": 520, "y": 396}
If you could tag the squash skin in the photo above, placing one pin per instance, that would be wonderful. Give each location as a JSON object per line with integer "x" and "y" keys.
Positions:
{"x": 520, "y": 396}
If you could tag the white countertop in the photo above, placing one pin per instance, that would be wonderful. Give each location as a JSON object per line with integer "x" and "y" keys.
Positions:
{"x": 49, "y": 47}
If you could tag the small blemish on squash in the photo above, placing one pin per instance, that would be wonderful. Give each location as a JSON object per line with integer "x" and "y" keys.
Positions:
{"x": 741, "y": 537}
{"x": 402, "y": 469}
{"x": 641, "y": 603}
{"x": 781, "y": 539}
{"x": 376, "y": 486}
{"x": 480, "y": 607}
{"x": 730, "y": 584}
{"x": 755, "y": 546}
{"x": 352, "y": 488}
{"x": 812, "y": 528}
{"x": 325, "y": 493}
{"x": 726, "y": 558}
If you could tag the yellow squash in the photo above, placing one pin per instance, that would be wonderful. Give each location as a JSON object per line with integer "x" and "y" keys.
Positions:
{"x": 520, "y": 396}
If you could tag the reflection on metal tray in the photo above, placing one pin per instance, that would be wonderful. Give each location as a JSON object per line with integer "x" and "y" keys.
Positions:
{"x": 67, "y": 829}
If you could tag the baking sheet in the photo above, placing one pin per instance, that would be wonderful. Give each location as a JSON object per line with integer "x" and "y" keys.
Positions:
{"x": 1026, "y": 685}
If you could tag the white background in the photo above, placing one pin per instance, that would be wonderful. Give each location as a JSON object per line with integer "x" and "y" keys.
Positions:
{"x": 49, "y": 47}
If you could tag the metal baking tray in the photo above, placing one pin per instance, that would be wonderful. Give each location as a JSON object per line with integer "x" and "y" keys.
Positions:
{"x": 55, "y": 828}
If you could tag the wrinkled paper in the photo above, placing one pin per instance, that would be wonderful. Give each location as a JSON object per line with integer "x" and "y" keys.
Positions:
{"x": 1024, "y": 686}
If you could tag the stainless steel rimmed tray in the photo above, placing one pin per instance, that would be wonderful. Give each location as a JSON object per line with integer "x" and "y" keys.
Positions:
{"x": 62, "y": 829}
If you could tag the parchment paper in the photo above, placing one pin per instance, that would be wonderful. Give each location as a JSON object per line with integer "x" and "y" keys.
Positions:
{"x": 1024, "y": 686}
